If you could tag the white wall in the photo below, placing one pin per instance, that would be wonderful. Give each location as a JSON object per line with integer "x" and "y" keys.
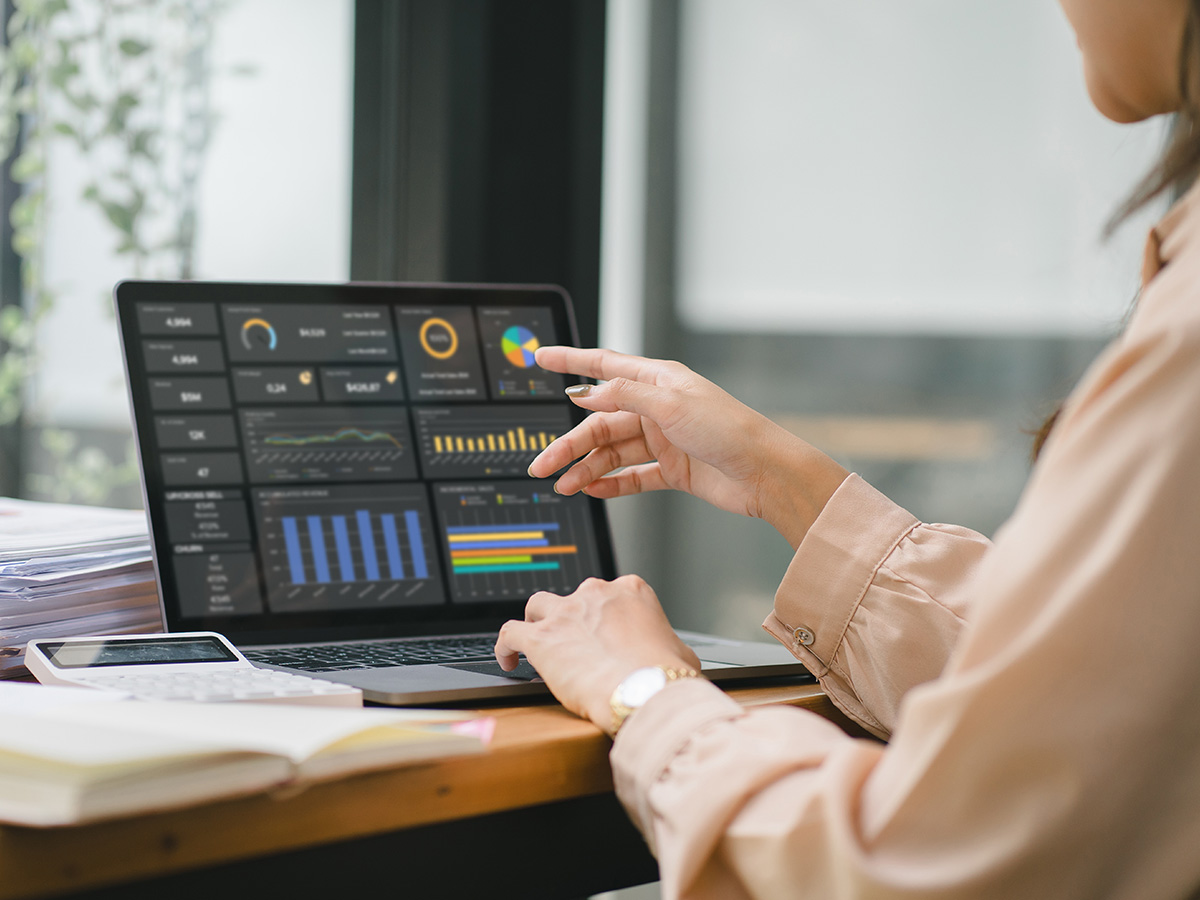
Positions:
{"x": 277, "y": 196}
{"x": 898, "y": 165}
{"x": 274, "y": 196}
{"x": 623, "y": 193}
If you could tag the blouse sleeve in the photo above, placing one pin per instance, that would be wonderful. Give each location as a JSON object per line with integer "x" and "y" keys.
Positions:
{"x": 874, "y": 601}
{"x": 1049, "y": 748}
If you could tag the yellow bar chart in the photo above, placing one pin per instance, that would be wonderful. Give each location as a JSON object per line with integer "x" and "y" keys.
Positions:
{"x": 518, "y": 440}
{"x": 475, "y": 441}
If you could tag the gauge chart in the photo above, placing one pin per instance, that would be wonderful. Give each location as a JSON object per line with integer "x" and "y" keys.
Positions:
{"x": 328, "y": 443}
{"x": 506, "y": 540}
{"x": 259, "y": 333}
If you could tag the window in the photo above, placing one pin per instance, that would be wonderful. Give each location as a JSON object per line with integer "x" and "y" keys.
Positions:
{"x": 879, "y": 223}
{"x": 242, "y": 172}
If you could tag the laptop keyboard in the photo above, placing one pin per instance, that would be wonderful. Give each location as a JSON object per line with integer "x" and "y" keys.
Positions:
{"x": 339, "y": 657}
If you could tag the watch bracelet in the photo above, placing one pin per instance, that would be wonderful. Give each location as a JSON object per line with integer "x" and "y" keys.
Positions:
{"x": 671, "y": 673}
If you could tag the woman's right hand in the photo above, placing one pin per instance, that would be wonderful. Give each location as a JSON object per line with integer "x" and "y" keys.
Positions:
{"x": 657, "y": 425}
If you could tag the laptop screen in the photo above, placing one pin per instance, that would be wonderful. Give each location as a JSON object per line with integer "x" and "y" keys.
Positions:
{"x": 347, "y": 461}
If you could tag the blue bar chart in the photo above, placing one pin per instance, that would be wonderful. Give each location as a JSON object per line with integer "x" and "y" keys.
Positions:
{"x": 365, "y": 527}
{"x": 347, "y": 547}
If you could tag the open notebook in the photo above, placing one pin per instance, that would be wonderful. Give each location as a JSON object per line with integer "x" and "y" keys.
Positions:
{"x": 70, "y": 755}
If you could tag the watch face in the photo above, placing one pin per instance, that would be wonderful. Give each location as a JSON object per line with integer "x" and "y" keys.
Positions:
{"x": 642, "y": 684}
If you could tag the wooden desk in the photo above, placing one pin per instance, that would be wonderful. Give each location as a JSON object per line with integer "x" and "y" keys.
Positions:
{"x": 534, "y": 817}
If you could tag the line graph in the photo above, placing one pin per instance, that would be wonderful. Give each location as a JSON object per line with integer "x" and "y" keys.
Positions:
{"x": 344, "y": 434}
{"x": 327, "y": 443}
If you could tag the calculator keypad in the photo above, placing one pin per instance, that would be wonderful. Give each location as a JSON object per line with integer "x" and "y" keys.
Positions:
{"x": 263, "y": 685}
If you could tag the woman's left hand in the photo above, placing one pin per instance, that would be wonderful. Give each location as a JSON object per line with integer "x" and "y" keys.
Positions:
{"x": 585, "y": 643}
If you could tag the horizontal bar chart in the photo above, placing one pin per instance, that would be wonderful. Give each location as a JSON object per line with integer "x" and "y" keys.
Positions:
{"x": 482, "y": 549}
{"x": 506, "y": 540}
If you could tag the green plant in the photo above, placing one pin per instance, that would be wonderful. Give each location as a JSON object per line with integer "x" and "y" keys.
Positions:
{"x": 125, "y": 85}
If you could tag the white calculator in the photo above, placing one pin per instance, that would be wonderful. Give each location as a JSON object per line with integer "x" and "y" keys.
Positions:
{"x": 191, "y": 665}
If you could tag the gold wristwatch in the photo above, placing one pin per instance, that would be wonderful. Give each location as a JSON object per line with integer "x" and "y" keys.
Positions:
{"x": 638, "y": 687}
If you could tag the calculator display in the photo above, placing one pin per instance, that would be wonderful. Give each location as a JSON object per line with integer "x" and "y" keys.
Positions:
{"x": 137, "y": 652}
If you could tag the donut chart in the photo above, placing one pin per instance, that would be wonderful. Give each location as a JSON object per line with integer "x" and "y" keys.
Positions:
{"x": 442, "y": 333}
{"x": 518, "y": 345}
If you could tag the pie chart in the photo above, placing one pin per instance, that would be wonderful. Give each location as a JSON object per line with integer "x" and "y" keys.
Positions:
{"x": 518, "y": 345}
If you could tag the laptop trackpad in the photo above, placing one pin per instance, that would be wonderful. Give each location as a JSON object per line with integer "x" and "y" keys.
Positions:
{"x": 523, "y": 672}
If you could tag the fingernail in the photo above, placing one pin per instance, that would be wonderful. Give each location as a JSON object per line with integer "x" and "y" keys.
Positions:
{"x": 529, "y": 471}
{"x": 579, "y": 390}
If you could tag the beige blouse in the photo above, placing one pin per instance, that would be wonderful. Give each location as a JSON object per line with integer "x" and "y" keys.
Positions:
{"x": 1040, "y": 695}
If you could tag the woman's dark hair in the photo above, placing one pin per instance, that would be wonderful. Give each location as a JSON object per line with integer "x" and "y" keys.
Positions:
{"x": 1180, "y": 163}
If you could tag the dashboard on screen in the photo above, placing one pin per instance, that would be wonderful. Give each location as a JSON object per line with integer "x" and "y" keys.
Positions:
{"x": 324, "y": 456}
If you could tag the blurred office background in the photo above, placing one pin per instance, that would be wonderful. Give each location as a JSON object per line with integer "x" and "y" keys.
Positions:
{"x": 878, "y": 221}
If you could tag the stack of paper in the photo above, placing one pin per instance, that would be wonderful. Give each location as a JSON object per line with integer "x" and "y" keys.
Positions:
{"x": 71, "y": 570}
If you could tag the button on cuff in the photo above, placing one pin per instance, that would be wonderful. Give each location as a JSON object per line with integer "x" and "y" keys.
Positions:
{"x": 803, "y": 636}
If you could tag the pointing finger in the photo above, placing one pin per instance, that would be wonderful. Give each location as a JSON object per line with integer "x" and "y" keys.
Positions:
{"x": 603, "y": 364}
{"x": 661, "y": 405}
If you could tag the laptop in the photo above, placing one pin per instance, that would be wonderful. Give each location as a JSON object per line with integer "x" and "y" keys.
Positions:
{"x": 336, "y": 478}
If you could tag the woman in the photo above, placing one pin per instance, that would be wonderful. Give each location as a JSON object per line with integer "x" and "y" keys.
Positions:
{"x": 1040, "y": 694}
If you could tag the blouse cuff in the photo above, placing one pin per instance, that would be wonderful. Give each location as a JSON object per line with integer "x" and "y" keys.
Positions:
{"x": 653, "y": 736}
{"x": 833, "y": 568}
